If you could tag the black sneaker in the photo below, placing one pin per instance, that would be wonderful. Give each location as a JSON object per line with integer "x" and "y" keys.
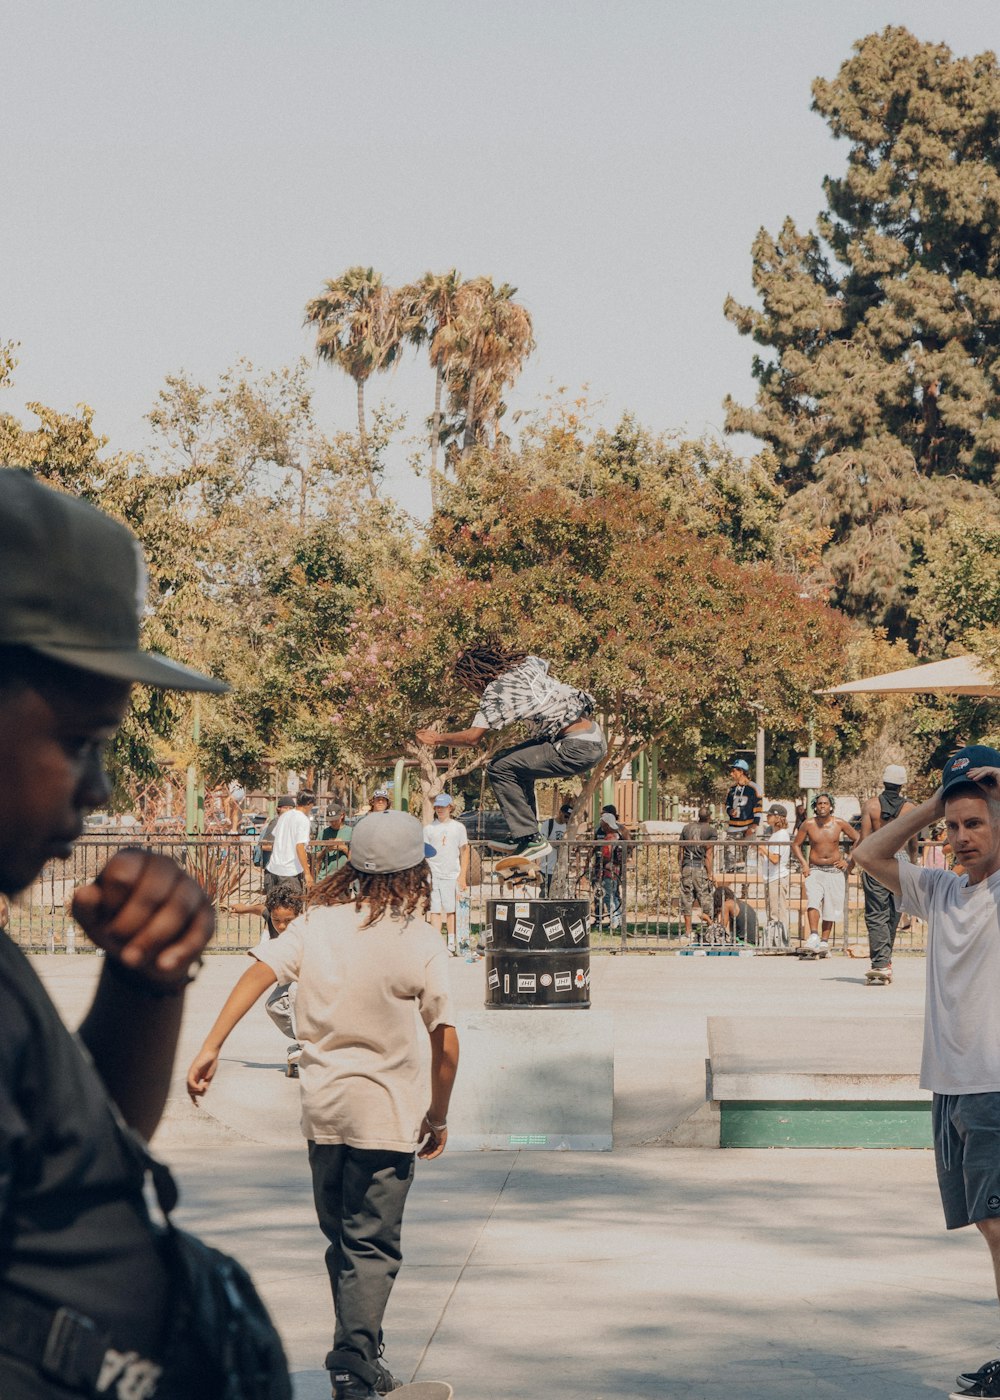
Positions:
{"x": 985, "y": 1381}
{"x": 345, "y": 1385}
{"x": 385, "y": 1380}
{"x": 531, "y": 848}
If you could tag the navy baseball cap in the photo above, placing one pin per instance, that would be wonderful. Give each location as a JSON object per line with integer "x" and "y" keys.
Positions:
{"x": 956, "y": 770}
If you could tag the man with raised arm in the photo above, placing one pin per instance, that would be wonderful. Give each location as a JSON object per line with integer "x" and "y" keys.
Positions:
{"x": 961, "y": 1053}
{"x": 84, "y": 1295}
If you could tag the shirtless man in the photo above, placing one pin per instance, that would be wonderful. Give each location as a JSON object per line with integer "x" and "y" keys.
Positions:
{"x": 824, "y": 871}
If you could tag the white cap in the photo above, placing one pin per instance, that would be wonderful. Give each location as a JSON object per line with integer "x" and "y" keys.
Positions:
{"x": 895, "y": 773}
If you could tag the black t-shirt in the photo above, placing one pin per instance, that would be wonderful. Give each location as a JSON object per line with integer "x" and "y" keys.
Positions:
{"x": 73, "y": 1225}
{"x": 696, "y": 831}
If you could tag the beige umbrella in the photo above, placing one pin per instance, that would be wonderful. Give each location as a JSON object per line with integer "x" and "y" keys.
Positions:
{"x": 956, "y": 675}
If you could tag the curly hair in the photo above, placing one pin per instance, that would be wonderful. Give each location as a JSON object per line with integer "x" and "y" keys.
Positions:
{"x": 401, "y": 892}
{"x": 284, "y": 897}
{"x": 477, "y": 666}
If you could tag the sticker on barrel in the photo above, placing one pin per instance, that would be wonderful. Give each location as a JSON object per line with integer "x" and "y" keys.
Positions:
{"x": 526, "y": 982}
{"x": 554, "y": 929}
{"x": 577, "y": 930}
{"x": 564, "y": 981}
{"x": 523, "y": 932}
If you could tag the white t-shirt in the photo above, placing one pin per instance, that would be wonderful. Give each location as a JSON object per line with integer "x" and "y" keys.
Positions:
{"x": 961, "y": 1025}
{"x": 781, "y": 842}
{"x": 290, "y": 830}
{"x": 447, "y": 838}
{"x": 362, "y": 995}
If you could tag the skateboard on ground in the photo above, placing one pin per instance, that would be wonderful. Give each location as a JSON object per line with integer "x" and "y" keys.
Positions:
{"x": 808, "y": 954}
{"x": 424, "y": 1390}
{"x": 878, "y": 976}
{"x": 517, "y": 871}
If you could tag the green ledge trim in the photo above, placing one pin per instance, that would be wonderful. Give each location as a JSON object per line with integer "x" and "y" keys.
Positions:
{"x": 863, "y": 1123}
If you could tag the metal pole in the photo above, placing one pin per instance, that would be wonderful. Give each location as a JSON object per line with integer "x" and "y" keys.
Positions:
{"x": 811, "y": 792}
{"x": 760, "y": 758}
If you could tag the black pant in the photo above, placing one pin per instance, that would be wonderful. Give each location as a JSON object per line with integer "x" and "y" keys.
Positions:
{"x": 359, "y": 1197}
{"x": 881, "y": 920}
{"x": 513, "y": 772}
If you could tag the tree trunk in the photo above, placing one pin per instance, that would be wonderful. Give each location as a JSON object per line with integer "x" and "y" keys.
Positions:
{"x": 468, "y": 441}
{"x": 436, "y": 435}
{"x": 363, "y": 438}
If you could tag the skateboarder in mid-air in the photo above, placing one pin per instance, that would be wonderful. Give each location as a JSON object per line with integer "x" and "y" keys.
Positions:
{"x": 565, "y": 739}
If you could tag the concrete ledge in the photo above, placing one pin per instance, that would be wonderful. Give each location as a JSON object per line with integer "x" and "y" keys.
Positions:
{"x": 537, "y": 1080}
{"x": 844, "y": 1082}
{"x": 850, "y": 1058}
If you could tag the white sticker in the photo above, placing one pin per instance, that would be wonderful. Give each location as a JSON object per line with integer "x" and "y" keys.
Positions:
{"x": 577, "y": 930}
{"x": 522, "y": 911}
{"x": 526, "y": 982}
{"x": 523, "y": 932}
{"x": 501, "y": 911}
{"x": 506, "y": 984}
{"x": 579, "y": 978}
{"x": 493, "y": 979}
{"x": 554, "y": 929}
{"x": 564, "y": 981}
{"x": 488, "y": 934}
{"x": 545, "y": 980}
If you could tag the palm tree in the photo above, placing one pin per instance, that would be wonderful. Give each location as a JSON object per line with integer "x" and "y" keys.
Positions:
{"x": 488, "y": 342}
{"x": 358, "y": 328}
{"x": 428, "y": 311}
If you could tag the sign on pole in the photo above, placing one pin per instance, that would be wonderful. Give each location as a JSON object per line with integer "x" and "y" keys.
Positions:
{"x": 810, "y": 772}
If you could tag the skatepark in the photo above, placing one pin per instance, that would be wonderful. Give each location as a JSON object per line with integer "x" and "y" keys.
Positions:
{"x": 656, "y": 1269}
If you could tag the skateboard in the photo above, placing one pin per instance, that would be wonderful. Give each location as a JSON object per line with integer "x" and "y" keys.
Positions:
{"x": 809, "y": 954}
{"x": 517, "y": 871}
{"x": 878, "y": 977}
{"x": 424, "y": 1390}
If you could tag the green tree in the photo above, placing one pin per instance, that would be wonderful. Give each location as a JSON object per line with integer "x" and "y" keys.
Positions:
{"x": 484, "y": 345}
{"x": 879, "y": 376}
{"x": 359, "y": 329}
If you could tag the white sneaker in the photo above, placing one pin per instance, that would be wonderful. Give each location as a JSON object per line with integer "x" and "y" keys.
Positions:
{"x": 823, "y": 947}
{"x": 813, "y": 943}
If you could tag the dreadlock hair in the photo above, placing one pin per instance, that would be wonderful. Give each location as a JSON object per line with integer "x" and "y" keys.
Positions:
{"x": 475, "y": 668}
{"x": 402, "y": 892}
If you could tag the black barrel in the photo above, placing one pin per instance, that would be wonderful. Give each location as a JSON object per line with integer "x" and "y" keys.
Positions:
{"x": 537, "y": 954}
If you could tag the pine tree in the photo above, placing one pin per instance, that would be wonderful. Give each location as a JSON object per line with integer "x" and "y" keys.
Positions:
{"x": 879, "y": 385}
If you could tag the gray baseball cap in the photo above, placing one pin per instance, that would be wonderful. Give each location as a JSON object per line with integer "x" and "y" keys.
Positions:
{"x": 383, "y": 842}
{"x": 73, "y": 587}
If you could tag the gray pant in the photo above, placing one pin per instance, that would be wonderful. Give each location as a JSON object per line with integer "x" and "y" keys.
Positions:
{"x": 513, "y": 772}
{"x": 359, "y": 1196}
{"x": 881, "y": 920}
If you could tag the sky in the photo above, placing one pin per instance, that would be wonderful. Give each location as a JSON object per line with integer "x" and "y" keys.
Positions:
{"x": 180, "y": 178}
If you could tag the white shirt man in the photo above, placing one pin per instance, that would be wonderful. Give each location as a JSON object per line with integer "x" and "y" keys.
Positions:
{"x": 961, "y": 1055}
{"x": 289, "y": 860}
{"x": 449, "y": 865}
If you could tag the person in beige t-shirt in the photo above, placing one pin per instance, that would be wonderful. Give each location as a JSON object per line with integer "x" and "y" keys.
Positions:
{"x": 369, "y": 970}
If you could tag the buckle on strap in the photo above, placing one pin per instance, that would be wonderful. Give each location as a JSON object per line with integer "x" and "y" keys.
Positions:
{"x": 74, "y": 1350}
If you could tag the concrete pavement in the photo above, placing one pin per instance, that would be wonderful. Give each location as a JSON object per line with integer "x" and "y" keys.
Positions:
{"x": 652, "y": 1271}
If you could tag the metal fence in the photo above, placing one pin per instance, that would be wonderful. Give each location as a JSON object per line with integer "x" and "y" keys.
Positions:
{"x": 648, "y": 885}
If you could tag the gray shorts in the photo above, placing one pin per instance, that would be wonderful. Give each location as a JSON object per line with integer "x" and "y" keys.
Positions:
{"x": 967, "y": 1156}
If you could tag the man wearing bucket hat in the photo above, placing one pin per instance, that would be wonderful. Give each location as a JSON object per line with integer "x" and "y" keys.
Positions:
{"x": 961, "y": 1053}
{"x": 364, "y": 957}
{"x": 881, "y": 907}
{"x": 81, "y": 1272}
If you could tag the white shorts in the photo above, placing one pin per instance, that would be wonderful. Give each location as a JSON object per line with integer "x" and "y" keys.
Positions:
{"x": 444, "y": 896}
{"x": 825, "y": 892}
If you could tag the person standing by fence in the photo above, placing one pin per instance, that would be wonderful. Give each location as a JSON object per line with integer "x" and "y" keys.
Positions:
{"x": 744, "y": 805}
{"x": 881, "y": 908}
{"x": 697, "y": 858}
{"x": 288, "y": 863}
{"x": 774, "y": 860}
{"x": 608, "y": 863}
